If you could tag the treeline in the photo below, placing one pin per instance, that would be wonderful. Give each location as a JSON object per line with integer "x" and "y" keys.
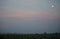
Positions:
{"x": 30, "y": 36}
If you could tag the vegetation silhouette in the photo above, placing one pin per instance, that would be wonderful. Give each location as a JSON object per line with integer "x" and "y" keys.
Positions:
{"x": 31, "y": 36}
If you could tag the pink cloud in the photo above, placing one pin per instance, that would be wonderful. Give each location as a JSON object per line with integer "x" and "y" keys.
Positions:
{"x": 30, "y": 14}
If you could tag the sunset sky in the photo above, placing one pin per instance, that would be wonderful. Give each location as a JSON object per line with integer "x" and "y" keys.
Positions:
{"x": 29, "y": 16}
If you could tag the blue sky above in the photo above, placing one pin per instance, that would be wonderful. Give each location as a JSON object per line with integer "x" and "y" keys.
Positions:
{"x": 29, "y": 16}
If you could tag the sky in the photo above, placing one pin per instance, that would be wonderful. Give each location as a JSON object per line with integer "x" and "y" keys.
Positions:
{"x": 29, "y": 16}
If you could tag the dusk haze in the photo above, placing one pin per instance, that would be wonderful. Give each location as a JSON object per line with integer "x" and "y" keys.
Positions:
{"x": 29, "y": 16}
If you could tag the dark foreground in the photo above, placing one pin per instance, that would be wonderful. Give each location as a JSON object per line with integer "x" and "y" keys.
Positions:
{"x": 30, "y": 36}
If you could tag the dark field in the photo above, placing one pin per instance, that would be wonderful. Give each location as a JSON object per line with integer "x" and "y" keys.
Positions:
{"x": 30, "y": 36}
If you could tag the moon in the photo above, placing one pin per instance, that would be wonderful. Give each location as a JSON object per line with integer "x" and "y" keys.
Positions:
{"x": 52, "y": 6}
